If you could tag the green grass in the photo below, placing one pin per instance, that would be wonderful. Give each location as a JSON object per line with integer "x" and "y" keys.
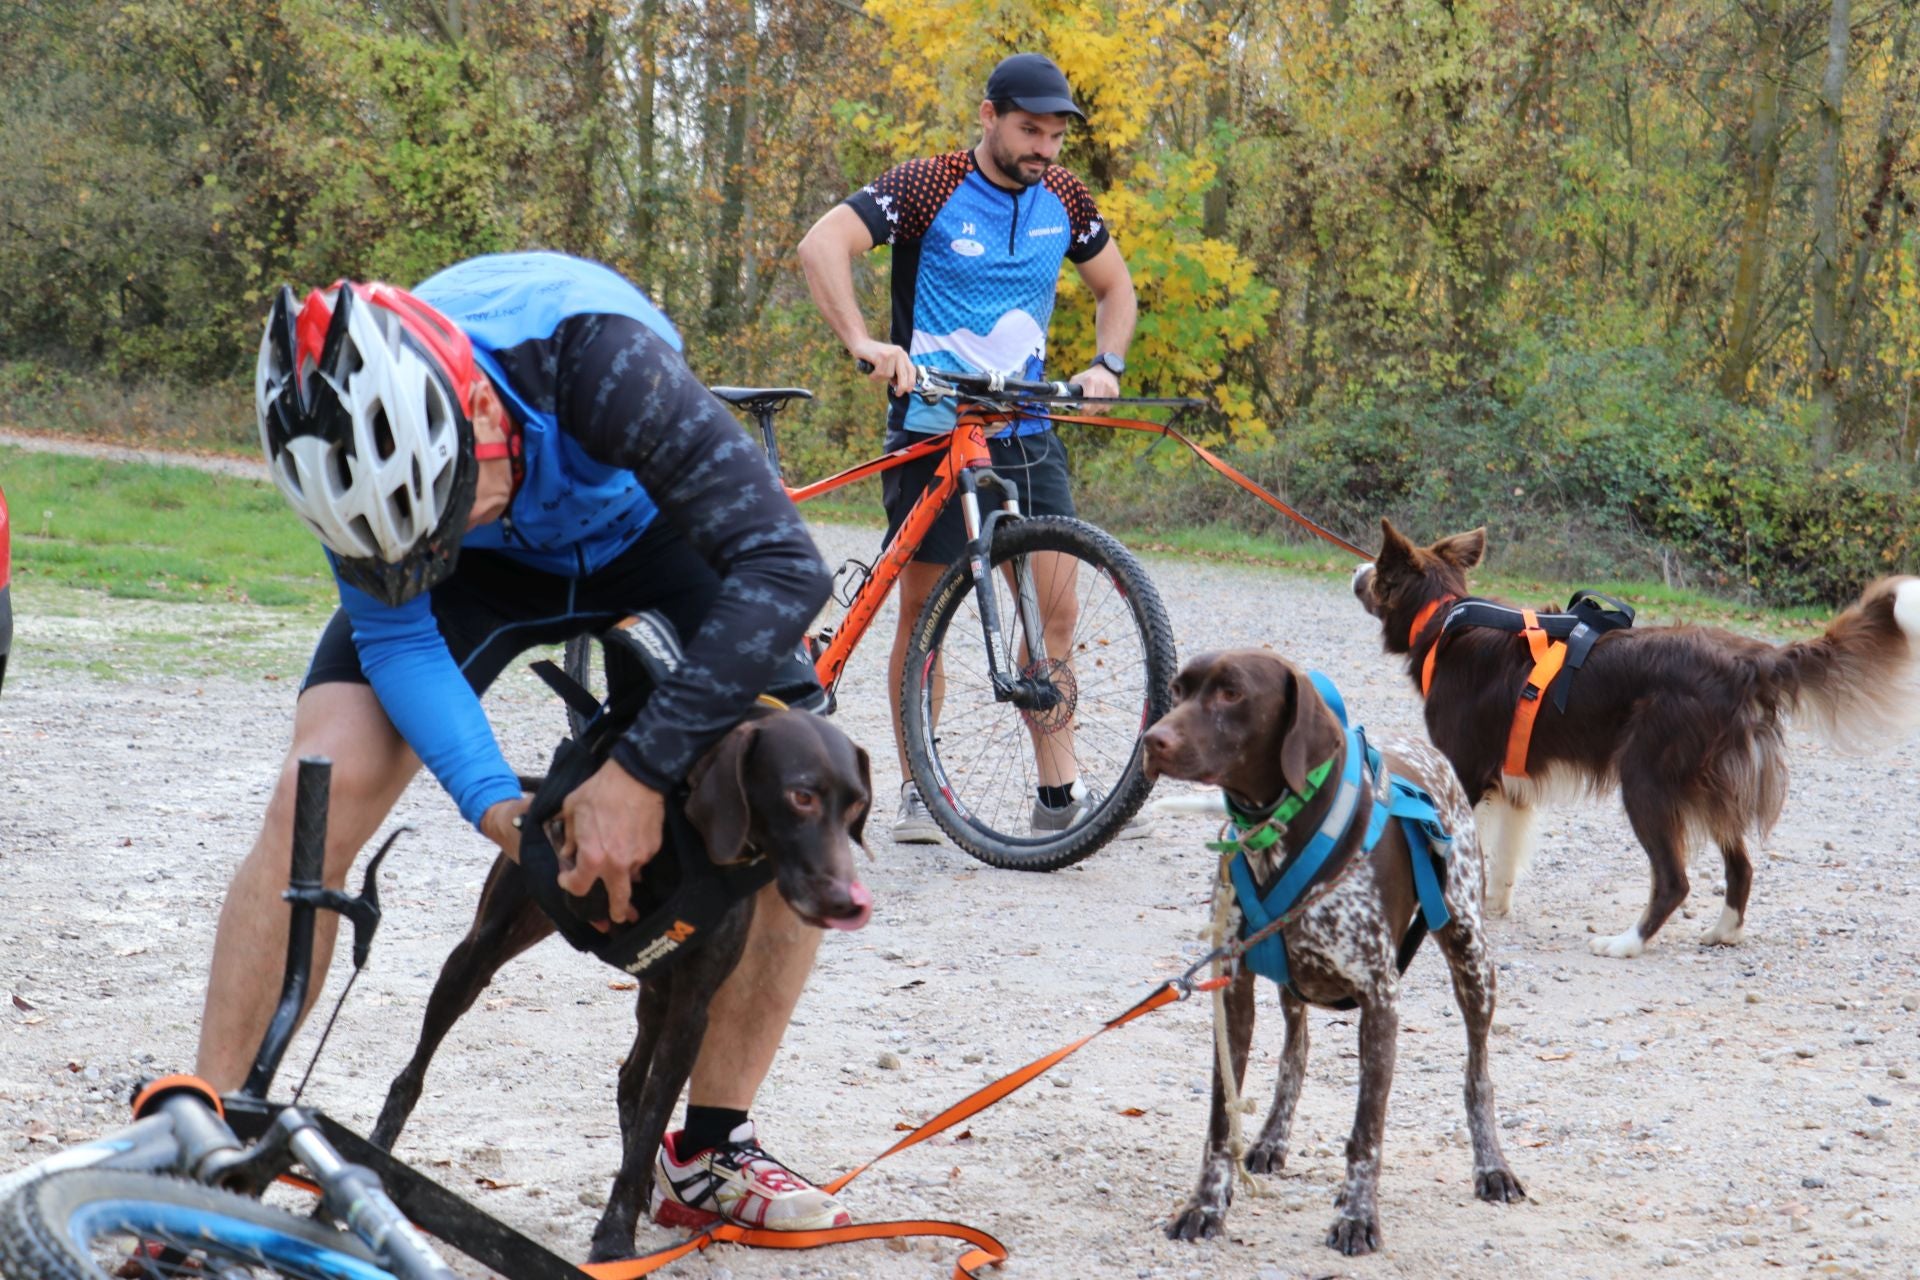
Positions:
{"x": 170, "y": 533}
{"x": 166, "y": 533}
{"x": 1653, "y": 602}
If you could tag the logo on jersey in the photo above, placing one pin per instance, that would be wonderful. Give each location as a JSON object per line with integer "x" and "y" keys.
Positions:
{"x": 1046, "y": 231}
{"x": 968, "y": 248}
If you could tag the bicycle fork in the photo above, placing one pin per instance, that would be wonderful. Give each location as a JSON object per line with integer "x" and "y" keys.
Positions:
{"x": 1027, "y": 688}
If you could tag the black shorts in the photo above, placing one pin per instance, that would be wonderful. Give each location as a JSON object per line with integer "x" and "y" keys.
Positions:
{"x": 493, "y": 608}
{"x": 1035, "y": 464}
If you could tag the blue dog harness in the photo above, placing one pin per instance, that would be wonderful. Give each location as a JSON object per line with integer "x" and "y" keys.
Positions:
{"x": 1428, "y": 843}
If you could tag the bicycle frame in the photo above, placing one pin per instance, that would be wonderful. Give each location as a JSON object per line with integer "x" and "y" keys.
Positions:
{"x": 967, "y": 462}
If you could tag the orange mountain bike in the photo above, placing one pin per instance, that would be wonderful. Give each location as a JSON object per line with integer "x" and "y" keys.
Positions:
{"x": 1041, "y": 657}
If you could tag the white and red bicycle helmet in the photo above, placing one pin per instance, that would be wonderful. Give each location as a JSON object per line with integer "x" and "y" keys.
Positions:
{"x": 363, "y": 398}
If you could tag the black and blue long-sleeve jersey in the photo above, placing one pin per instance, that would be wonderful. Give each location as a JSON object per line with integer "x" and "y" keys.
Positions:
{"x": 616, "y": 432}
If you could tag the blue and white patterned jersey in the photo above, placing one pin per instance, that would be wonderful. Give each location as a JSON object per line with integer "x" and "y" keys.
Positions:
{"x": 975, "y": 268}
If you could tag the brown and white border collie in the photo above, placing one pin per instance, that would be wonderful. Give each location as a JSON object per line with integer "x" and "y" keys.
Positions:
{"x": 1687, "y": 721}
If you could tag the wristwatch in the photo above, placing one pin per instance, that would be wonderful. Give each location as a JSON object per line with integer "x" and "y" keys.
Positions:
{"x": 1113, "y": 364}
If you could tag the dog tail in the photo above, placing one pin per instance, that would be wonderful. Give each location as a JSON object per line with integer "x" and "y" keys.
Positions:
{"x": 1859, "y": 684}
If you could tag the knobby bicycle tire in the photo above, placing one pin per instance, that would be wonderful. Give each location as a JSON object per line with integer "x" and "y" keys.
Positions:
{"x": 50, "y": 1228}
{"x": 1143, "y": 694}
{"x": 577, "y": 661}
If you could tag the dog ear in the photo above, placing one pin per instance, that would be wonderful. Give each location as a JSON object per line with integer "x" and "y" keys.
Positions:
{"x": 1463, "y": 550}
{"x": 859, "y": 829}
{"x": 717, "y": 806}
{"x": 1296, "y": 743}
{"x": 1394, "y": 547}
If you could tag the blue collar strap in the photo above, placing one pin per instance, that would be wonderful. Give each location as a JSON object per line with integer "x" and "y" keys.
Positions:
{"x": 1427, "y": 840}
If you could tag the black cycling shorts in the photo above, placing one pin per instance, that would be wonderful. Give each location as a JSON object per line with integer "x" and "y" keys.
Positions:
{"x": 1035, "y": 464}
{"x": 492, "y": 608}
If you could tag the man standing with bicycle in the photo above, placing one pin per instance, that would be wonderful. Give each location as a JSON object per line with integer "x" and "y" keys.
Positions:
{"x": 978, "y": 238}
{"x": 513, "y": 454}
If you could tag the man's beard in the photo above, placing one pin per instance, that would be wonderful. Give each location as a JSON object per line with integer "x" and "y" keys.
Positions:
{"x": 1008, "y": 162}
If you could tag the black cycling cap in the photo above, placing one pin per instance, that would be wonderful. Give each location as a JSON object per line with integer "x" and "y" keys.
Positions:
{"x": 1032, "y": 83}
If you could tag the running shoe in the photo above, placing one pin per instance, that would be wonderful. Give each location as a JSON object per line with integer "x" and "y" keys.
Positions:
{"x": 738, "y": 1183}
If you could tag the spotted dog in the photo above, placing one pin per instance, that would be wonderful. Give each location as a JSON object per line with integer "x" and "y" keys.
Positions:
{"x": 1250, "y": 724}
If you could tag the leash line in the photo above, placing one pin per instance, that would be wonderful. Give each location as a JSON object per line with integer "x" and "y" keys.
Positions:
{"x": 1219, "y": 464}
{"x": 986, "y": 1251}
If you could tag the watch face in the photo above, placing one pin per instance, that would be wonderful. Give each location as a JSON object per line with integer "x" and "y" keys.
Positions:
{"x": 1112, "y": 363}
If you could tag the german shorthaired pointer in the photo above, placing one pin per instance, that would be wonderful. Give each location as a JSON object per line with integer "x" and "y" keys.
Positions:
{"x": 1250, "y": 724}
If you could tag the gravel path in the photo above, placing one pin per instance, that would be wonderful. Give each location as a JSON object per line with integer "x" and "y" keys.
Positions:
{"x": 1725, "y": 1113}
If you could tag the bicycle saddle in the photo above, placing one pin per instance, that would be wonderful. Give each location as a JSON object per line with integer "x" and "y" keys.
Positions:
{"x": 754, "y": 397}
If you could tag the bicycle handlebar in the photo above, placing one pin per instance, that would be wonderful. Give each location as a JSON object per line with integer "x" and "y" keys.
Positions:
{"x": 931, "y": 384}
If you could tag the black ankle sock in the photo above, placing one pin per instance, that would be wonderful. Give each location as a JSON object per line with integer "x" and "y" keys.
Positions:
{"x": 1057, "y": 797}
{"x": 708, "y": 1127}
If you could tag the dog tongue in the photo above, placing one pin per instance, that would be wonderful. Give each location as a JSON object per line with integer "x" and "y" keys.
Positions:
{"x": 861, "y": 899}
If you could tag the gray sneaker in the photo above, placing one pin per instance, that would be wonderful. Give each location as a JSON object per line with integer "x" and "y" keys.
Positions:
{"x": 1048, "y": 821}
{"x": 913, "y": 824}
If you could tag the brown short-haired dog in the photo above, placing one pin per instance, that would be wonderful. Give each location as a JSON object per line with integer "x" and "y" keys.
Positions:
{"x": 787, "y": 785}
{"x": 1251, "y": 724}
{"x": 1688, "y": 721}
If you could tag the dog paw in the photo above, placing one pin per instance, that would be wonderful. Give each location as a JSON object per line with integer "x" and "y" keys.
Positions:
{"x": 1499, "y": 902}
{"x": 1197, "y": 1222}
{"x": 1621, "y": 946}
{"x": 1726, "y": 931}
{"x": 612, "y": 1249}
{"x": 1266, "y": 1158}
{"x": 1354, "y": 1236}
{"x": 1498, "y": 1185}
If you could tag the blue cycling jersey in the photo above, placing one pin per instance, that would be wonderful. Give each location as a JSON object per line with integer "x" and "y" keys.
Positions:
{"x": 975, "y": 268}
{"x": 570, "y": 514}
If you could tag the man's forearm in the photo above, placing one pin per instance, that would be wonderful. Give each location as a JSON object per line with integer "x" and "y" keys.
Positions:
{"x": 1113, "y": 321}
{"x": 830, "y": 281}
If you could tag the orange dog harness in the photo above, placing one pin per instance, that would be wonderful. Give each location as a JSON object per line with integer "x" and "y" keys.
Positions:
{"x": 1561, "y": 642}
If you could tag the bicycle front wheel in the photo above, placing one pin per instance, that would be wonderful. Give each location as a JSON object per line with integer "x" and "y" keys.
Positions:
{"x": 1091, "y": 682}
{"x": 90, "y": 1224}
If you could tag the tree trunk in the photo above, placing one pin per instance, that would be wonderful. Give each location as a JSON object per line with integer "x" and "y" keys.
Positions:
{"x": 723, "y": 295}
{"x": 582, "y": 223}
{"x": 644, "y": 219}
{"x": 1763, "y": 165}
{"x": 1824, "y": 350}
{"x": 1876, "y": 216}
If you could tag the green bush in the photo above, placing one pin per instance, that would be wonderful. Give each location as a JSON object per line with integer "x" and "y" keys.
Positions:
{"x": 1600, "y": 465}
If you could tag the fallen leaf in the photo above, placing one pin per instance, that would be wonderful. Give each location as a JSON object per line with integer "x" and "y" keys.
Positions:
{"x": 619, "y": 985}
{"x": 903, "y": 1127}
{"x": 963, "y": 1135}
{"x": 22, "y": 1005}
{"x": 126, "y": 842}
{"x": 917, "y": 982}
{"x": 491, "y": 1184}
{"x": 1554, "y": 1057}
{"x": 1132, "y": 1111}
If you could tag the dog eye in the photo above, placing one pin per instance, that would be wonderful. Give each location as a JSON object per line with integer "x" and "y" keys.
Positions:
{"x": 1227, "y": 693}
{"x": 803, "y": 800}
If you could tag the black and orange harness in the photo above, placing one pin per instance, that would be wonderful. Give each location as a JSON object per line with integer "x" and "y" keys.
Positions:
{"x": 1559, "y": 643}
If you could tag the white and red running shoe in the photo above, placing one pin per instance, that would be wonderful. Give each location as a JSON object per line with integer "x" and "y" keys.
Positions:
{"x": 738, "y": 1183}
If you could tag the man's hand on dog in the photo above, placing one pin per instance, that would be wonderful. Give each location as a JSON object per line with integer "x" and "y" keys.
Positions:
{"x": 612, "y": 823}
{"x": 501, "y": 824}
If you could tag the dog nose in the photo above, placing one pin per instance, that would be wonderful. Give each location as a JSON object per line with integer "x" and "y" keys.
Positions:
{"x": 1159, "y": 740}
{"x": 858, "y": 911}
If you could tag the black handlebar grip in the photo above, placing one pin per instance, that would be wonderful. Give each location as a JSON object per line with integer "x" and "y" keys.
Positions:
{"x": 311, "y": 788}
{"x": 864, "y": 366}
